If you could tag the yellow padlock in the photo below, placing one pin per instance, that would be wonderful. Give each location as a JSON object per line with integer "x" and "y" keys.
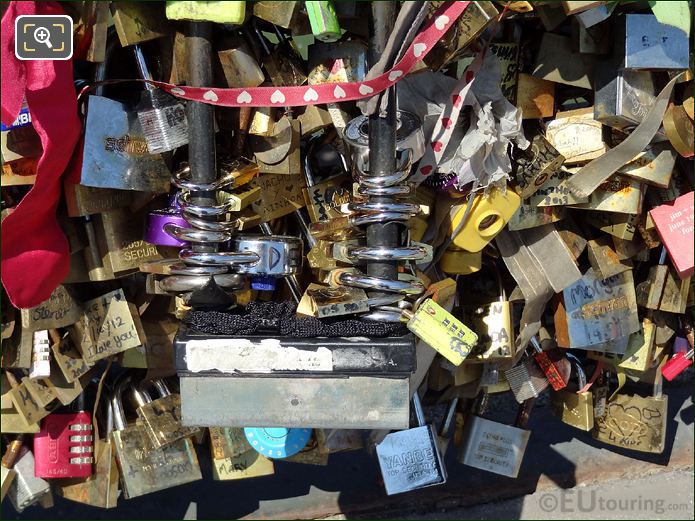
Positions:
{"x": 221, "y": 12}
{"x": 488, "y": 216}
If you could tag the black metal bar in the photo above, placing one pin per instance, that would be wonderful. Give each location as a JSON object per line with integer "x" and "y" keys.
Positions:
{"x": 382, "y": 141}
{"x": 201, "y": 116}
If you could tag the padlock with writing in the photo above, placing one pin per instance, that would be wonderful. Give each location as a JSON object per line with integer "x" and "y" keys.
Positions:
{"x": 161, "y": 417}
{"x": 410, "y": 459}
{"x": 41, "y": 356}
{"x": 9, "y": 458}
{"x": 144, "y": 469}
{"x": 493, "y": 325}
{"x": 137, "y": 22}
{"x": 64, "y": 447}
{"x": 234, "y": 458}
{"x": 162, "y": 117}
{"x": 493, "y": 446}
{"x": 441, "y": 331}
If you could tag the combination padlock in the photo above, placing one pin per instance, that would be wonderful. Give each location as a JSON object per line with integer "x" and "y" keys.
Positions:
{"x": 64, "y": 447}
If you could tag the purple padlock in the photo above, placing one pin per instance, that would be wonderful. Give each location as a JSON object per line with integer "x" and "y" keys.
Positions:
{"x": 155, "y": 234}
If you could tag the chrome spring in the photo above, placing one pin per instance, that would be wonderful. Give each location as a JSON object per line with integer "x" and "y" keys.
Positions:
{"x": 410, "y": 147}
{"x": 209, "y": 225}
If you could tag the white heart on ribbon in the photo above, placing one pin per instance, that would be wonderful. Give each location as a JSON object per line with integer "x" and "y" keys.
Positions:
{"x": 365, "y": 89}
{"x": 210, "y": 96}
{"x": 244, "y": 97}
{"x": 277, "y": 97}
{"x": 177, "y": 91}
{"x": 394, "y": 75}
{"x": 441, "y": 22}
{"x": 418, "y": 49}
{"x": 338, "y": 92}
{"x": 311, "y": 95}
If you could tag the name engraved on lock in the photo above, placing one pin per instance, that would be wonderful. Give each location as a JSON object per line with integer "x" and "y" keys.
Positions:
{"x": 599, "y": 311}
{"x": 126, "y": 144}
{"x": 492, "y": 324}
{"x": 59, "y": 310}
{"x": 507, "y": 54}
{"x": 280, "y": 195}
{"x": 495, "y": 447}
{"x": 107, "y": 327}
{"x": 634, "y": 422}
{"x": 324, "y": 199}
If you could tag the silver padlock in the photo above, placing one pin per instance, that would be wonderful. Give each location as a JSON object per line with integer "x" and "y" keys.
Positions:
{"x": 410, "y": 459}
{"x": 26, "y": 489}
{"x": 493, "y": 446}
{"x": 163, "y": 117}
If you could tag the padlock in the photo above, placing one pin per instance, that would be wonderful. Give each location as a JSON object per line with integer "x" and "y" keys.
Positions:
{"x": 20, "y": 145}
{"x": 161, "y": 417}
{"x": 101, "y": 488}
{"x": 618, "y": 194}
{"x": 137, "y": 23}
{"x": 554, "y": 192}
{"x": 535, "y": 97}
{"x": 467, "y": 28}
{"x": 648, "y": 293}
{"x": 604, "y": 259}
{"x": 64, "y": 447}
{"x": 283, "y": 14}
{"x": 115, "y": 150}
{"x": 635, "y": 422}
{"x": 576, "y": 135}
{"x": 8, "y": 460}
{"x": 678, "y": 126}
{"x": 526, "y": 380}
{"x": 279, "y": 153}
{"x": 487, "y": 217}
{"x": 650, "y": 44}
{"x": 157, "y": 219}
{"x": 324, "y": 198}
{"x": 492, "y": 446}
{"x": 493, "y": 324}
{"x": 448, "y": 424}
{"x": 162, "y": 117}
{"x": 677, "y": 364}
{"x": 278, "y": 256}
{"x": 654, "y": 165}
{"x": 234, "y": 458}
{"x": 277, "y": 442}
{"x": 410, "y": 459}
{"x": 41, "y": 356}
{"x": 672, "y": 223}
{"x": 328, "y": 301}
{"x": 323, "y": 20}
{"x": 145, "y": 469}
{"x": 574, "y": 405}
{"x": 24, "y": 402}
{"x": 536, "y": 165}
{"x": 232, "y": 13}
{"x": 440, "y": 330}
{"x": 26, "y": 489}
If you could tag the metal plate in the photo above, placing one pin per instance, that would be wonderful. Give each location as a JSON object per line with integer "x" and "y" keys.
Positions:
{"x": 356, "y": 402}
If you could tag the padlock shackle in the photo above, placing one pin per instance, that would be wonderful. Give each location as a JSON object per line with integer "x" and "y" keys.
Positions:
{"x": 577, "y": 364}
{"x": 143, "y": 70}
{"x": 119, "y": 420}
{"x": 162, "y": 388}
{"x": 140, "y": 395}
{"x": 419, "y": 413}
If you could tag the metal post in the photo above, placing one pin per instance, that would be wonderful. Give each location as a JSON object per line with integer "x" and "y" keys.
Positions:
{"x": 382, "y": 143}
{"x": 201, "y": 125}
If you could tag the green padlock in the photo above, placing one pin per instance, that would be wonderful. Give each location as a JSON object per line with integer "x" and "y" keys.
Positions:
{"x": 220, "y": 12}
{"x": 323, "y": 20}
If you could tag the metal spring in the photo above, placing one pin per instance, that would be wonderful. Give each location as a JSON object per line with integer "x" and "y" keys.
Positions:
{"x": 410, "y": 147}
{"x": 209, "y": 225}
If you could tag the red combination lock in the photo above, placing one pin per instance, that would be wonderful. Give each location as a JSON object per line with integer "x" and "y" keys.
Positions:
{"x": 678, "y": 363}
{"x": 64, "y": 447}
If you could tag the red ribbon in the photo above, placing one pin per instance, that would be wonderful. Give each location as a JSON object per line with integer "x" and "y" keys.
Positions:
{"x": 35, "y": 253}
{"x": 301, "y": 95}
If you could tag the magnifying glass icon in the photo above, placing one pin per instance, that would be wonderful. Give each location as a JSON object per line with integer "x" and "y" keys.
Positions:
{"x": 43, "y": 35}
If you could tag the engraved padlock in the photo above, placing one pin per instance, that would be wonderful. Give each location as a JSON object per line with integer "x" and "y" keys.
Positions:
{"x": 161, "y": 417}
{"x": 411, "y": 459}
{"x": 234, "y": 458}
{"x": 493, "y": 446}
{"x": 162, "y": 117}
{"x": 144, "y": 469}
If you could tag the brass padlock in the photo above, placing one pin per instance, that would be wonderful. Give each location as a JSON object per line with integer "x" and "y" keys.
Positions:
{"x": 137, "y": 22}
{"x": 279, "y": 153}
{"x": 574, "y": 405}
{"x": 536, "y": 165}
